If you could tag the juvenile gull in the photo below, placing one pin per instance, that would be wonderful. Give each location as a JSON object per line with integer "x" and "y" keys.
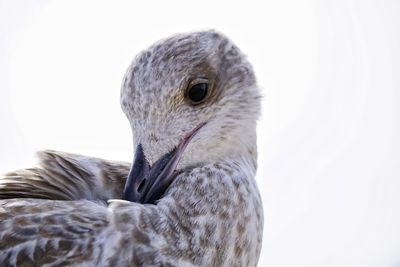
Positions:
{"x": 190, "y": 197}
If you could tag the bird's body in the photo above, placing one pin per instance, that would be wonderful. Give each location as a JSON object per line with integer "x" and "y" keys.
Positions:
{"x": 209, "y": 211}
{"x": 92, "y": 232}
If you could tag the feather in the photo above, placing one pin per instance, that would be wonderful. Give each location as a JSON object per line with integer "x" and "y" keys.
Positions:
{"x": 65, "y": 176}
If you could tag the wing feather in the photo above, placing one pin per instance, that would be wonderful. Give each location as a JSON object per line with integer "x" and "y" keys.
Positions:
{"x": 51, "y": 232}
{"x": 64, "y": 176}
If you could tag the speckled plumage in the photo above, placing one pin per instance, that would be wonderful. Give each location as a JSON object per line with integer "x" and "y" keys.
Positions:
{"x": 211, "y": 215}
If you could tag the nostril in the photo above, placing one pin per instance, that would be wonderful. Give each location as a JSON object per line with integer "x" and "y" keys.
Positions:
{"x": 141, "y": 186}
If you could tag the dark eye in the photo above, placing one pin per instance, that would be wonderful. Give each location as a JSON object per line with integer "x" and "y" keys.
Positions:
{"x": 197, "y": 92}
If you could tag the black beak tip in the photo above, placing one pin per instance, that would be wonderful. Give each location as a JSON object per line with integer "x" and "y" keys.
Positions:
{"x": 136, "y": 180}
{"x": 147, "y": 184}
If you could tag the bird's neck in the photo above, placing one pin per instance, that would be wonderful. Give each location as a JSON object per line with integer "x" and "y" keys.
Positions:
{"x": 218, "y": 208}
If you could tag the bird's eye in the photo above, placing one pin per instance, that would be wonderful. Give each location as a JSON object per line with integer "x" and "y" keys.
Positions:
{"x": 197, "y": 92}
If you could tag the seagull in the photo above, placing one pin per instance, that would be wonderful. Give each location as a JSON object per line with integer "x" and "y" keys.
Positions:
{"x": 190, "y": 197}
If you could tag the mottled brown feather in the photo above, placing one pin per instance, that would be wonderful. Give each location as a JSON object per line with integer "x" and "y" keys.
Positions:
{"x": 65, "y": 176}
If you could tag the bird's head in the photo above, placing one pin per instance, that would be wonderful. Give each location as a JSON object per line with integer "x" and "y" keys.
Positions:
{"x": 190, "y": 99}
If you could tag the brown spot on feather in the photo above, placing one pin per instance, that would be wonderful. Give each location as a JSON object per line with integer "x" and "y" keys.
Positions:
{"x": 140, "y": 237}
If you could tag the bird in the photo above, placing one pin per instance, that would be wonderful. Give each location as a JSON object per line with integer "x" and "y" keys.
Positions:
{"x": 189, "y": 198}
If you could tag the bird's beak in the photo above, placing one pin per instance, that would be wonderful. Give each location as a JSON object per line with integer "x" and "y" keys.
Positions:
{"x": 145, "y": 183}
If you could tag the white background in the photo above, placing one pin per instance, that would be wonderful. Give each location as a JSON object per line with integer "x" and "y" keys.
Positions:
{"x": 329, "y": 169}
